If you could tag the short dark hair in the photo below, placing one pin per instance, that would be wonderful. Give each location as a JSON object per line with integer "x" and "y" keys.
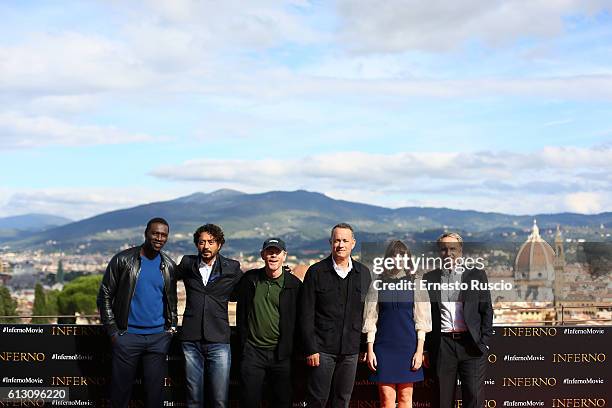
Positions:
{"x": 342, "y": 225}
{"x": 211, "y": 229}
{"x": 157, "y": 220}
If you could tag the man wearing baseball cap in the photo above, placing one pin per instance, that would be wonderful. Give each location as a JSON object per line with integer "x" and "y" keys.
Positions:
{"x": 266, "y": 314}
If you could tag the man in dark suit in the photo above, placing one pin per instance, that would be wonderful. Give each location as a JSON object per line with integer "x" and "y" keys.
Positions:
{"x": 462, "y": 324}
{"x": 209, "y": 280}
{"x": 331, "y": 321}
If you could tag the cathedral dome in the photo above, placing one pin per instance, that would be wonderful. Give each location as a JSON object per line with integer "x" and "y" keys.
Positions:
{"x": 535, "y": 258}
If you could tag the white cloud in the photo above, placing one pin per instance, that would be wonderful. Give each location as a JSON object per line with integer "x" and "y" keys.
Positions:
{"x": 258, "y": 24}
{"x": 78, "y": 203}
{"x": 157, "y": 47}
{"x": 20, "y": 131}
{"x": 501, "y": 181}
{"x": 279, "y": 85}
{"x": 371, "y": 26}
{"x": 62, "y": 104}
{"x": 383, "y": 168}
{"x": 69, "y": 63}
{"x": 585, "y": 202}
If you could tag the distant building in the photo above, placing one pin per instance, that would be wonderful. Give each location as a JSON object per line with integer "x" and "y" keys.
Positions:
{"x": 538, "y": 269}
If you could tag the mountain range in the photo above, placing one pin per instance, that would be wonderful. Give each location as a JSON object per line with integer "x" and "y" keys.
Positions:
{"x": 19, "y": 226}
{"x": 302, "y": 218}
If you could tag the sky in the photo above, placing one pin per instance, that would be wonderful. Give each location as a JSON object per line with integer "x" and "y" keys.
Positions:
{"x": 501, "y": 106}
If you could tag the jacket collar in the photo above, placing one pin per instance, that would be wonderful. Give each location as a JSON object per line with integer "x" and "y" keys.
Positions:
{"x": 164, "y": 258}
{"x": 330, "y": 264}
{"x": 257, "y": 274}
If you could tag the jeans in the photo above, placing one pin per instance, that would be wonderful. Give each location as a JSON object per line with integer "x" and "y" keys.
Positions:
{"x": 128, "y": 349}
{"x": 259, "y": 365}
{"x": 207, "y": 372}
{"x": 335, "y": 373}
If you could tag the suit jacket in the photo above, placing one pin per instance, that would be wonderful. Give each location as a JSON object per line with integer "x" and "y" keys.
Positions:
{"x": 323, "y": 319}
{"x": 477, "y": 311}
{"x": 205, "y": 316}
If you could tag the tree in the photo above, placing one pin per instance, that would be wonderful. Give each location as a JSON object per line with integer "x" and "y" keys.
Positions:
{"x": 52, "y": 309}
{"x": 59, "y": 276}
{"x": 8, "y": 306}
{"x": 40, "y": 305}
{"x": 79, "y": 296}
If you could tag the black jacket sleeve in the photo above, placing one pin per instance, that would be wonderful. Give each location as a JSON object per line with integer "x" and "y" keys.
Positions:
{"x": 106, "y": 295}
{"x": 172, "y": 294}
{"x": 181, "y": 269}
{"x": 233, "y": 296}
{"x": 307, "y": 313}
{"x": 485, "y": 309}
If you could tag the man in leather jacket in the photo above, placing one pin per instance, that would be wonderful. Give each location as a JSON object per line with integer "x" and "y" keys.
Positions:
{"x": 137, "y": 303}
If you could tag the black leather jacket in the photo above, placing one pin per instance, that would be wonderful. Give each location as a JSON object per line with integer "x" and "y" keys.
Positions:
{"x": 117, "y": 289}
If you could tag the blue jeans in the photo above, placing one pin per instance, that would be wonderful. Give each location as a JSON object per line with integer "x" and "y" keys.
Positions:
{"x": 207, "y": 368}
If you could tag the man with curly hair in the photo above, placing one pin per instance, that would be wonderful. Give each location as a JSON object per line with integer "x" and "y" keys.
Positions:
{"x": 209, "y": 279}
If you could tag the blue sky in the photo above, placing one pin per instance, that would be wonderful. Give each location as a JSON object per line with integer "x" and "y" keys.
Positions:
{"x": 493, "y": 106}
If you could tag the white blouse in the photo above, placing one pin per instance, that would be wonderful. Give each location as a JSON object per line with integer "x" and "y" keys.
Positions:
{"x": 422, "y": 311}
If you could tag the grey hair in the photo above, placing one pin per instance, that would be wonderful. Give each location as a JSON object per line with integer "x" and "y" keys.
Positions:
{"x": 453, "y": 235}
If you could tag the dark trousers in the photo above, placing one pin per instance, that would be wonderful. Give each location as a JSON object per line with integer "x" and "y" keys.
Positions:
{"x": 461, "y": 358}
{"x": 261, "y": 364}
{"x": 335, "y": 373}
{"x": 128, "y": 349}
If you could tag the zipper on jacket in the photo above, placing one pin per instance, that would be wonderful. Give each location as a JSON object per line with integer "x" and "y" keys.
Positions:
{"x": 162, "y": 267}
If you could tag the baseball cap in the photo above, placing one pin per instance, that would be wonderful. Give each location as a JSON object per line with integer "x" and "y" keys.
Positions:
{"x": 274, "y": 243}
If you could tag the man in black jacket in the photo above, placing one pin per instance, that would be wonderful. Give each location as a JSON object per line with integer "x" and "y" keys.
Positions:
{"x": 209, "y": 280}
{"x": 137, "y": 306}
{"x": 331, "y": 321}
{"x": 266, "y": 315}
{"x": 462, "y": 324}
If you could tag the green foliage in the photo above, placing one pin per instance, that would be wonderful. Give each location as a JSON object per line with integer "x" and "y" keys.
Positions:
{"x": 40, "y": 305}
{"x": 8, "y": 306}
{"x": 52, "y": 308}
{"x": 45, "y": 304}
{"x": 79, "y": 296}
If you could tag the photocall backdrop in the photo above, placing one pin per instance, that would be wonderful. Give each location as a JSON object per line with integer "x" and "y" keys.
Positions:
{"x": 551, "y": 366}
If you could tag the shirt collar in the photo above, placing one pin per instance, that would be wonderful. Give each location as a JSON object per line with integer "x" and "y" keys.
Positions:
{"x": 204, "y": 264}
{"x": 454, "y": 271}
{"x": 339, "y": 270}
{"x": 280, "y": 281}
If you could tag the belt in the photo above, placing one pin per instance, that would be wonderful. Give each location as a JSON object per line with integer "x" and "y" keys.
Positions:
{"x": 454, "y": 335}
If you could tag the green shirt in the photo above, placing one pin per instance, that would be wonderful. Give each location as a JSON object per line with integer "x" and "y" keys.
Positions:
{"x": 264, "y": 317}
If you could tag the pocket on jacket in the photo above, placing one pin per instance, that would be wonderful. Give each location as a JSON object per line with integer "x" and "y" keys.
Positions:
{"x": 326, "y": 295}
{"x": 324, "y": 324}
